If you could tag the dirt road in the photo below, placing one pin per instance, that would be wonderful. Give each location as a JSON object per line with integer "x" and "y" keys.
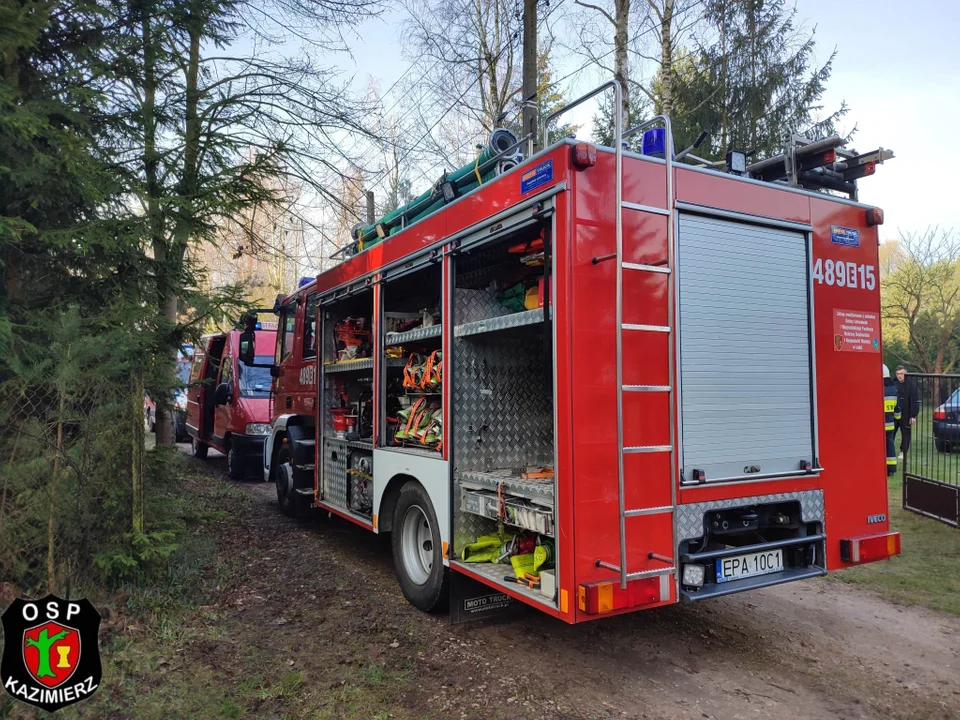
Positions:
{"x": 319, "y": 597}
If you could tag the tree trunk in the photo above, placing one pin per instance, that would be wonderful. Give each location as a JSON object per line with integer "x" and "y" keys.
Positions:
{"x": 666, "y": 59}
{"x": 51, "y": 519}
{"x": 621, "y": 61}
{"x": 137, "y": 451}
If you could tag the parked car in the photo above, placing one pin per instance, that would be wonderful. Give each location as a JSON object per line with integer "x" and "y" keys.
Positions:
{"x": 946, "y": 423}
{"x": 228, "y": 402}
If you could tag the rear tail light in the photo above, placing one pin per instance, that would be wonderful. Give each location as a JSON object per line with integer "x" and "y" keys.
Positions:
{"x": 869, "y": 548}
{"x": 604, "y": 597}
{"x": 940, "y": 413}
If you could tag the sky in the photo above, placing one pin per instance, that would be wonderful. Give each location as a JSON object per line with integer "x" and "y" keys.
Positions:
{"x": 897, "y": 67}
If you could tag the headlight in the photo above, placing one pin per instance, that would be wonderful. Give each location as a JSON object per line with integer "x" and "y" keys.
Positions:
{"x": 258, "y": 429}
{"x": 693, "y": 575}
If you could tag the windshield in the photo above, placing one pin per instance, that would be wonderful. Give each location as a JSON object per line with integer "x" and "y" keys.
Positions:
{"x": 255, "y": 381}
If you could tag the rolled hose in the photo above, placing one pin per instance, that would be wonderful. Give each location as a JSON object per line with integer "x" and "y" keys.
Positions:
{"x": 491, "y": 162}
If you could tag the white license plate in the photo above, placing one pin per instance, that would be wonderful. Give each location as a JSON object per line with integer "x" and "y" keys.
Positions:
{"x": 744, "y": 566}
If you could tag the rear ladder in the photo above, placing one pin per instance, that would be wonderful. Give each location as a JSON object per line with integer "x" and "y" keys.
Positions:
{"x": 622, "y": 327}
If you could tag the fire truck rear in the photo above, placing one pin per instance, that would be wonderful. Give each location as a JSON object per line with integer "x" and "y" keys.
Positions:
{"x": 596, "y": 381}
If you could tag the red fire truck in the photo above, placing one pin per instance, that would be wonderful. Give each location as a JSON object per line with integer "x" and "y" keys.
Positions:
{"x": 602, "y": 381}
{"x": 228, "y": 402}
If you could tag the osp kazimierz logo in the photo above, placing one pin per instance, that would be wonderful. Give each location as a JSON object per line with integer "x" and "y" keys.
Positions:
{"x": 51, "y": 653}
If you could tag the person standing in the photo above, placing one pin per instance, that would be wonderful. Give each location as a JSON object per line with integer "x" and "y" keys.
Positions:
{"x": 909, "y": 401}
{"x": 891, "y": 412}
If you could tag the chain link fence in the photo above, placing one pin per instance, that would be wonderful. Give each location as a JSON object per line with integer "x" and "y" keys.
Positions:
{"x": 71, "y": 447}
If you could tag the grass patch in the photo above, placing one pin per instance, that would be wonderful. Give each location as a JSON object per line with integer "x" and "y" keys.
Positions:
{"x": 927, "y": 572}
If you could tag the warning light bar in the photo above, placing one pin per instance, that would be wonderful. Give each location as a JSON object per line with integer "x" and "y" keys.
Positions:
{"x": 869, "y": 548}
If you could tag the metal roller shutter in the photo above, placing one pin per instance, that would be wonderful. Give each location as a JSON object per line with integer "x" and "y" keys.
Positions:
{"x": 744, "y": 334}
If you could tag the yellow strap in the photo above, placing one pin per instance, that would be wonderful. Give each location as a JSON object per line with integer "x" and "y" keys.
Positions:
{"x": 476, "y": 170}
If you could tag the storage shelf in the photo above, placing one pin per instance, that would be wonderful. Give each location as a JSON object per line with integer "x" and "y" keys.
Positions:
{"x": 425, "y": 452}
{"x": 499, "y": 323}
{"x": 415, "y": 335}
{"x": 497, "y": 572}
{"x": 518, "y": 513}
{"x": 361, "y": 364}
{"x": 538, "y": 491}
{"x": 348, "y": 366}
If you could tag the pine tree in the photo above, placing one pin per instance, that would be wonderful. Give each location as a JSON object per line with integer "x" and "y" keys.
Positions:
{"x": 755, "y": 84}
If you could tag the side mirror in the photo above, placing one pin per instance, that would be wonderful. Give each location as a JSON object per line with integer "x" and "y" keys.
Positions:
{"x": 248, "y": 347}
{"x": 221, "y": 396}
{"x": 275, "y": 371}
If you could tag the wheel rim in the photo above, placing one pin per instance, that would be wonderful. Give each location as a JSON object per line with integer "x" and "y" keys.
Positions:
{"x": 417, "y": 544}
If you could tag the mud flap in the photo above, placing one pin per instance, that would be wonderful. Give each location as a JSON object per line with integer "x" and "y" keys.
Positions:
{"x": 472, "y": 600}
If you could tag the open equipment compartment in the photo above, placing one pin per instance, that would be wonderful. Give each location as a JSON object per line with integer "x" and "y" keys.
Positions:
{"x": 503, "y": 403}
{"x": 412, "y": 375}
{"x": 347, "y": 402}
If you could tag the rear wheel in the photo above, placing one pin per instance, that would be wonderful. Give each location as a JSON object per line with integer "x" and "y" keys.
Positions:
{"x": 236, "y": 469}
{"x": 417, "y": 550}
{"x": 198, "y": 449}
{"x": 942, "y": 446}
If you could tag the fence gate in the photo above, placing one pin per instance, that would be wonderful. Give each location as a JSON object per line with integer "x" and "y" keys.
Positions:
{"x": 931, "y": 463}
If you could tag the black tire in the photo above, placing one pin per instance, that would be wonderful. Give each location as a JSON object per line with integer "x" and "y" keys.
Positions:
{"x": 236, "y": 468}
{"x": 291, "y": 503}
{"x": 198, "y": 449}
{"x": 419, "y": 566}
{"x": 942, "y": 446}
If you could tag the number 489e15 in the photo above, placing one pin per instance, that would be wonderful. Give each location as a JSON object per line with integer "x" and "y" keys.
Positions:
{"x": 844, "y": 274}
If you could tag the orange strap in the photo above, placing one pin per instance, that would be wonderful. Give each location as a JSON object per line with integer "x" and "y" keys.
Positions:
{"x": 428, "y": 371}
{"x": 410, "y": 417}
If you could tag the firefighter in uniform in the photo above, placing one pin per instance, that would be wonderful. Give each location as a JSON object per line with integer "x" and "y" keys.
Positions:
{"x": 891, "y": 413}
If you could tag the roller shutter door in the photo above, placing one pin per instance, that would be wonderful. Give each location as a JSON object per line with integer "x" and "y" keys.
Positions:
{"x": 744, "y": 335}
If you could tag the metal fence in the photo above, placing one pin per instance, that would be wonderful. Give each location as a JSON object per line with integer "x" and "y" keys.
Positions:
{"x": 931, "y": 461}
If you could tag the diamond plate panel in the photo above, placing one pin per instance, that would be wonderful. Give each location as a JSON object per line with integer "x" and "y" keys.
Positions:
{"x": 473, "y": 305}
{"x": 689, "y": 518}
{"x": 420, "y": 333}
{"x": 502, "y": 322}
{"x": 503, "y": 409}
{"x": 335, "y": 472}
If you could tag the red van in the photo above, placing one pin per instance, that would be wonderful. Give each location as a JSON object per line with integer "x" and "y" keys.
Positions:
{"x": 228, "y": 402}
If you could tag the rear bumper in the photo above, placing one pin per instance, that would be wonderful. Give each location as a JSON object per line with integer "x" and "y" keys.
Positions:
{"x": 946, "y": 431}
{"x": 803, "y": 557}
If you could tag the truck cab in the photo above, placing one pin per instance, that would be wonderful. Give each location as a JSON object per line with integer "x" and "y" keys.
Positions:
{"x": 228, "y": 402}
